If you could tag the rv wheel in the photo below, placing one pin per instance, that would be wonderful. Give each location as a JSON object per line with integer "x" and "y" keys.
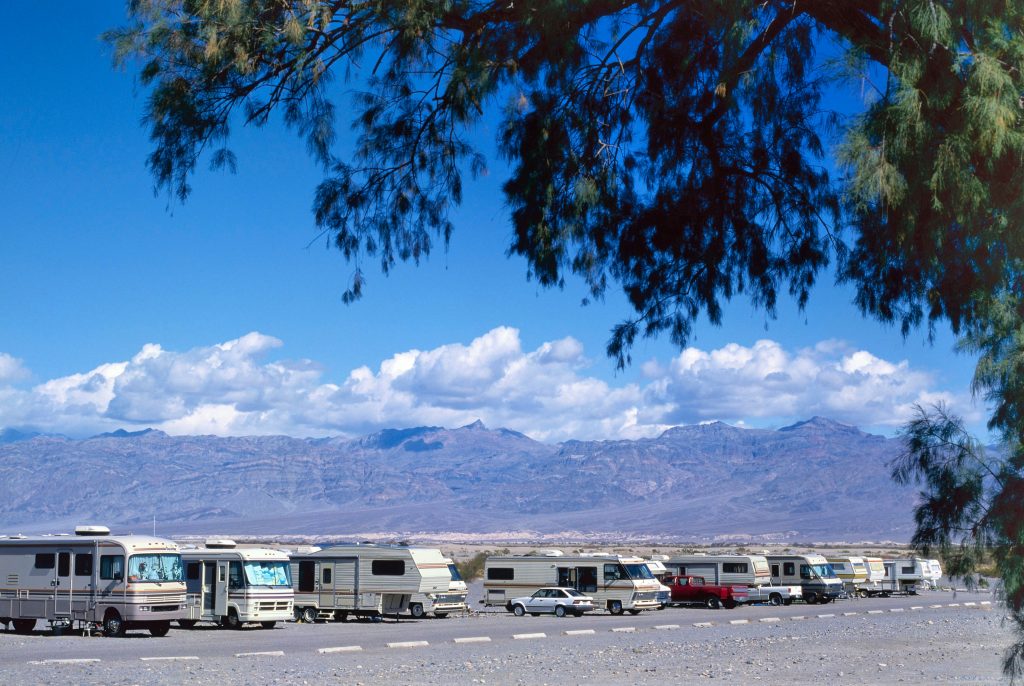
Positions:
{"x": 309, "y": 614}
{"x": 231, "y": 620}
{"x": 24, "y": 626}
{"x": 862, "y": 593}
{"x": 775, "y": 599}
{"x": 268, "y": 625}
{"x": 634, "y": 611}
{"x": 160, "y": 630}
{"x": 810, "y": 597}
{"x": 615, "y": 607}
{"x": 416, "y": 610}
{"x": 113, "y": 625}
{"x": 186, "y": 623}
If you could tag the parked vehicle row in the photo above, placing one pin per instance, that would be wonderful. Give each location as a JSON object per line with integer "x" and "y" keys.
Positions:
{"x": 118, "y": 583}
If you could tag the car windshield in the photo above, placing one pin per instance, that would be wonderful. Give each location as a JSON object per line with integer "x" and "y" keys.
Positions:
{"x": 455, "y": 573}
{"x": 638, "y": 571}
{"x": 155, "y": 567}
{"x": 268, "y": 573}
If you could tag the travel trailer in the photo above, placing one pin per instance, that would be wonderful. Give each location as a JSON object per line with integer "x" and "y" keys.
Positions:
{"x": 615, "y": 582}
{"x": 852, "y": 570}
{"x": 364, "y": 579}
{"x": 234, "y": 585}
{"x": 933, "y": 573}
{"x": 441, "y": 604}
{"x": 91, "y": 579}
{"x": 812, "y": 573}
{"x": 657, "y": 566}
{"x": 749, "y": 570}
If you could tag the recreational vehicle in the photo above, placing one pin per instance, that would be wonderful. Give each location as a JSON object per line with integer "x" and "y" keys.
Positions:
{"x": 657, "y": 566}
{"x": 908, "y": 575}
{"x": 853, "y": 571}
{"x": 441, "y": 604}
{"x": 748, "y": 570}
{"x": 364, "y": 579}
{"x": 615, "y": 582}
{"x": 233, "y": 585}
{"x": 812, "y": 573}
{"x": 933, "y": 573}
{"x": 91, "y": 578}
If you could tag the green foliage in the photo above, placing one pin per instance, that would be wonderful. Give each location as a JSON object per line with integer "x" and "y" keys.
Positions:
{"x": 473, "y": 568}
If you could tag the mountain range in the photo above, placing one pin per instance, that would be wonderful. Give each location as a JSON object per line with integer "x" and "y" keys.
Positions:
{"x": 817, "y": 480}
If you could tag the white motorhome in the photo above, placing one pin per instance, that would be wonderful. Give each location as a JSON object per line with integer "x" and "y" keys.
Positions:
{"x": 442, "y": 604}
{"x": 746, "y": 570}
{"x": 364, "y": 579}
{"x": 812, "y": 573}
{"x": 656, "y": 564}
{"x": 615, "y": 582}
{"x": 233, "y": 585}
{"x": 91, "y": 578}
{"x": 853, "y": 571}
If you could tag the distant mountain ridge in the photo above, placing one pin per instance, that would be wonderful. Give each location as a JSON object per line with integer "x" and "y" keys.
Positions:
{"x": 814, "y": 480}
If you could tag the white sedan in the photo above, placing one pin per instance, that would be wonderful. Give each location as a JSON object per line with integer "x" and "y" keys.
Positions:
{"x": 557, "y": 601}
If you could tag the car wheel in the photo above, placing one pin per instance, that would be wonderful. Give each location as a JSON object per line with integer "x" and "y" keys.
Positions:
{"x": 160, "y": 630}
{"x": 416, "y": 610}
{"x": 519, "y": 611}
{"x": 309, "y": 614}
{"x": 113, "y": 625}
{"x": 559, "y": 610}
{"x": 775, "y": 599}
{"x": 712, "y": 603}
{"x": 810, "y": 598}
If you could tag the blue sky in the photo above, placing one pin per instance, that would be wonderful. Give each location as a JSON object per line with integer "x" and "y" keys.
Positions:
{"x": 224, "y": 315}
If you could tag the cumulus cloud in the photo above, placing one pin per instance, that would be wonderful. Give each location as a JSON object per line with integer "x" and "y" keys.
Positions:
{"x": 234, "y": 388}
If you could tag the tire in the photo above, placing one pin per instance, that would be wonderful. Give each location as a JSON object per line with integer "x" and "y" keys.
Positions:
{"x": 24, "y": 626}
{"x": 519, "y": 611}
{"x": 787, "y": 601}
{"x": 810, "y": 597}
{"x": 113, "y": 625}
{"x": 186, "y": 623}
{"x": 862, "y": 593}
{"x": 559, "y": 610}
{"x": 440, "y": 615}
{"x": 160, "y": 630}
{"x": 268, "y": 625}
{"x": 729, "y": 604}
{"x": 825, "y": 600}
{"x": 309, "y": 615}
{"x": 615, "y": 607}
{"x": 230, "y": 620}
{"x": 712, "y": 603}
{"x": 775, "y": 599}
{"x": 634, "y": 611}
{"x": 416, "y": 610}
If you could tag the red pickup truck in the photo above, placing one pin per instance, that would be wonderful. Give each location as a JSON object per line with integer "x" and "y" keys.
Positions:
{"x": 693, "y": 589}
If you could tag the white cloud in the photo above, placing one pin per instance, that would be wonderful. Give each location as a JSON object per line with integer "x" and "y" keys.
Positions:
{"x": 232, "y": 388}
{"x": 11, "y": 369}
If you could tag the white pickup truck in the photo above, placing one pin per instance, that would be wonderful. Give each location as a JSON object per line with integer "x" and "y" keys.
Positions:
{"x": 774, "y": 595}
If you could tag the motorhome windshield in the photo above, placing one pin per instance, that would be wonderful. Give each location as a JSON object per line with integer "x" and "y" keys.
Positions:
{"x": 268, "y": 573}
{"x": 824, "y": 571}
{"x": 155, "y": 567}
{"x": 455, "y": 573}
{"x": 638, "y": 571}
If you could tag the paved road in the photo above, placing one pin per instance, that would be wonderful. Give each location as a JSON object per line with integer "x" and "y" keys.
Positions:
{"x": 207, "y": 642}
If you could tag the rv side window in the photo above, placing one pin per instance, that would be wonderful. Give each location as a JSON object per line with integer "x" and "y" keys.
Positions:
{"x": 326, "y": 574}
{"x": 614, "y": 572}
{"x": 501, "y": 574}
{"x": 83, "y": 564}
{"x": 64, "y": 564}
{"x": 388, "y": 568}
{"x": 235, "y": 575}
{"x": 192, "y": 571}
{"x": 586, "y": 579}
{"x": 734, "y": 567}
{"x": 775, "y": 570}
{"x": 307, "y": 576}
{"x": 805, "y": 571}
{"x": 111, "y": 567}
{"x": 789, "y": 568}
{"x": 44, "y": 560}
{"x": 905, "y": 570}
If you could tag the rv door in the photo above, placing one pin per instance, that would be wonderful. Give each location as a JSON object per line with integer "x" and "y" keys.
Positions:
{"x": 62, "y": 586}
{"x": 220, "y": 594}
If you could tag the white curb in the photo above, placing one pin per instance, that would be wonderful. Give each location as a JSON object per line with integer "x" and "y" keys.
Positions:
{"x": 953, "y": 605}
{"x": 68, "y": 661}
{"x": 935, "y": 607}
{"x": 766, "y": 620}
{"x": 970, "y": 605}
{"x": 739, "y": 621}
{"x": 169, "y": 659}
{"x": 876, "y": 612}
{"x": 703, "y": 625}
{"x": 850, "y": 614}
{"x": 917, "y": 607}
{"x": 579, "y": 632}
{"x": 265, "y": 653}
{"x": 624, "y": 629}
{"x": 796, "y": 617}
{"x": 408, "y": 644}
{"x": 986, "y": 602}
{"x": 473, "y": 639}
{"x": 896, "y": 609}
{"x": 537, "y": 635}
{"x": 824, "y": 616}
{"x": 666, "y": 627}
{"x": 340, "y": 649}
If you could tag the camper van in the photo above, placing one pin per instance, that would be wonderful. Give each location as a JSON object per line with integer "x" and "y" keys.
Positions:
{"x": 812, "y": 572}
{"x": 615, "y": 582}
{"x": 852, "y": 570}
{"x": 91, "y": 578}
{"x": 747, "y": 570}
{"x": 234, "y": 585}
{"x": 364, "y": 579}
{"x": 441, "y": 604}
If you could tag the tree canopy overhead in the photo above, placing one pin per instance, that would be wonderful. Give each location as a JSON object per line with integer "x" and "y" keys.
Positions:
{"x": 675, "y": 148}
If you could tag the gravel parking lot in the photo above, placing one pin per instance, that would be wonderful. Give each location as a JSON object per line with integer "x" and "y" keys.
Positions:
{"x": 918, "y": 639}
